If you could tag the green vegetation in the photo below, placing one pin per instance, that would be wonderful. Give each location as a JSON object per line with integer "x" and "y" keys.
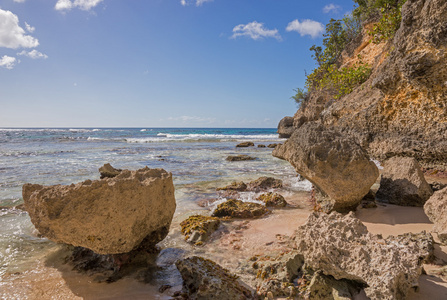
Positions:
{"x": 329, "y": 75}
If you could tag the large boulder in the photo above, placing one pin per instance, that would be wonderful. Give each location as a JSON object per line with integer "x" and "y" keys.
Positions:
{"x": 334, "y": 163}
{"x": 403, "y": 183}
{"x": 204, "y": 279}
{"x": 109, "y": 216}
{"x": 436, "y": 210}
{"x": 340, "y": 246}
{"x": 285, "y": 127}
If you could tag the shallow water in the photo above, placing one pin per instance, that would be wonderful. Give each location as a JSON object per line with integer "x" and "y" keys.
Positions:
{"x": 196, "y": 158}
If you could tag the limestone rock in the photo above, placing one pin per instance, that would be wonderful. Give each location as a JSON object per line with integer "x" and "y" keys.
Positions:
{"x": 334, "y": 163}
{"x": 204, "y": 279}
{"x": 436, "y": 210}
{"x": 108, "y": 216}
{"x": 107, "y": 171}
{"x": 340, "y": 246}
{"x": 403, "y": 183}
{"x": 272, "y": 199}
{"x": 285, "y": 127}
{"x": 273, "y": 145}
{"x": 197, "y": 229}
{"x": 239, "y": 209}
{"x": 241, "y": 157}
{"x": 264, "y": 183}
{"x": 234, "y": 186}
{"x": 245, "y": 144}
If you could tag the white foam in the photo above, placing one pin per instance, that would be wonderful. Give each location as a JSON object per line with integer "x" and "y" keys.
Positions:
{"x": 143, "y": 130}
{"x": 300, "y": 185}
{"x": 200, "y": 137}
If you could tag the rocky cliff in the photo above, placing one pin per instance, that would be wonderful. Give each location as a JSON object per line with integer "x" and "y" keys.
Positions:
{"x": 401, "y": 110}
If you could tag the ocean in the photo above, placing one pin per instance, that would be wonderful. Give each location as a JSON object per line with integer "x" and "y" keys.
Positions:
{"x": 195, "y": 156}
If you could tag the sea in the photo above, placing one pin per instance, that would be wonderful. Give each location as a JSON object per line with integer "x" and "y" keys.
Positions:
{"x": 196, "y": 157}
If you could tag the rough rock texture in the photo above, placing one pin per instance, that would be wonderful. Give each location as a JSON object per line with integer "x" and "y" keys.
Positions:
{"x": 197, "y": 229}
{"x": 273, "y": 145}
{"x": 239, "y": 209}
{"x": 108, "y": 216}
{"x": 334, "y": 163}
{"x": 340, "y": 246}
{"x": 107, "y": 171}
{"x": 403, "y": 183}
{"x": 436, "y": 210}
{"x": 241, "y": 157}
{"x": 327, "y": 288}
{"x": 264, "y": 183}
{"x": 272, "y": 200}
{"x": 245, "y": 144}
{"x": 285, "y": 127}
{"x": 402, "y": 109}
{"x": 203, "y": 279}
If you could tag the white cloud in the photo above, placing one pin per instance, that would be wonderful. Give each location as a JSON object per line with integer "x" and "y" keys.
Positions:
{"x": 255, "y": 30}
{"x": 8, "y": 62}
{"x": 193, "y": 119}
{"x": 11, "y": 34}
{"x": 34, "y": 54}
{"x": 66, "y": 5}
{"x": 197, "y": 2}
{"x": 29, "y": 28}
{"x": 306, "y": 27}
{"x": 331, "y": 8}
{"x": 19, "y": 1}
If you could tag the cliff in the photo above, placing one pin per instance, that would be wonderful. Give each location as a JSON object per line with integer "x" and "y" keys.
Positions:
{"x": 401, "y": 110}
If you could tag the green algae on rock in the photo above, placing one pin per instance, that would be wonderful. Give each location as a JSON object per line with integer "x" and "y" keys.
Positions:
{"x": 197, "y": 229}
{"x": 272, "y": 200}
{"x": 239, "y": 209}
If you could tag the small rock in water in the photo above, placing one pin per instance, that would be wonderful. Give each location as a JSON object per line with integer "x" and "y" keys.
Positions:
{"x": 107, "y": 171}
{"x": 239, "y": 209}
{"x": 241, "y": 157}
{"x": 261, "y": 146}
{"x": 245, "y": 144}
{"x": 272, "y": 200}
{"x": 239, "y": 186}
{"x": 264, "y": 183}
{"x": 197, "y": 229}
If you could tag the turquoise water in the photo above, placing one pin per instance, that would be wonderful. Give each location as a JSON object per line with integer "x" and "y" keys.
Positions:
{"x": 196, "y": 158}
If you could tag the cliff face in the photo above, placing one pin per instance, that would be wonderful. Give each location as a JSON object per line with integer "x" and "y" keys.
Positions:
{"x": 402, "y": 108}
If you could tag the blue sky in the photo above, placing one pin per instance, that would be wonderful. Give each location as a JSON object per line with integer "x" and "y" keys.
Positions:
{"x": 156, "y": 63}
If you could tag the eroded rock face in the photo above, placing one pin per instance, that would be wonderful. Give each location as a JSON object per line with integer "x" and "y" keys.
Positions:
{"x": 107, "y": 171}
{"x": 334, "y": 163}
{"x": 109, "y": 216}
{"x": 204, "y": 279}
{"x": 285, "y": 127}
{"x": 403, "y": 183}
{"x": 340, "y": 246}
{"x": 436, "y": 210}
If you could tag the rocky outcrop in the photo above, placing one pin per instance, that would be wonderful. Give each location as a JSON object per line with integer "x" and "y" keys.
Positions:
{"x": 239, "y": 209}
{"x": 403, "y": 183}
{"x": 340, "y": 246}
{"x": 264, "y": 183}
{"x": 197, "y": 229}
{"x": 108, "y": 216}
{"x": 234, "y": 186}
{"x": 285, "y": 127}
{"x": 204, "y": 279}
{"x": 402, "y": 109}
{"x": 333, "y": 162}
{"x": 245, "y": 144}
{"x": 272, "y": 200}
{"x": 107, "y": 171}
{"x": 436, "y": 210}
{"x": 240, "y": 157}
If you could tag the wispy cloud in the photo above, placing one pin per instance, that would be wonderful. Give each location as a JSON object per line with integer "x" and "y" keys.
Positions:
{"x": 34, "y": 54}
{"x": 19, "y": 1}
{"x": 66, "y": 5}
{"x": 29, "y": 28}
{"x": 255, "y": 31}
{"x": 8, "y": 62}
{"x": 197, "y": 2}
{"x": 306, "y": 27}
{"x": 192, "y": 119}
{"x": 12, "y": 35}
{"x": 331, "y": 8}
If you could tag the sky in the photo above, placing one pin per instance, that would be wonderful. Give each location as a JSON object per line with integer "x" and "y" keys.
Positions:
{"x": 156, "y": 63}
